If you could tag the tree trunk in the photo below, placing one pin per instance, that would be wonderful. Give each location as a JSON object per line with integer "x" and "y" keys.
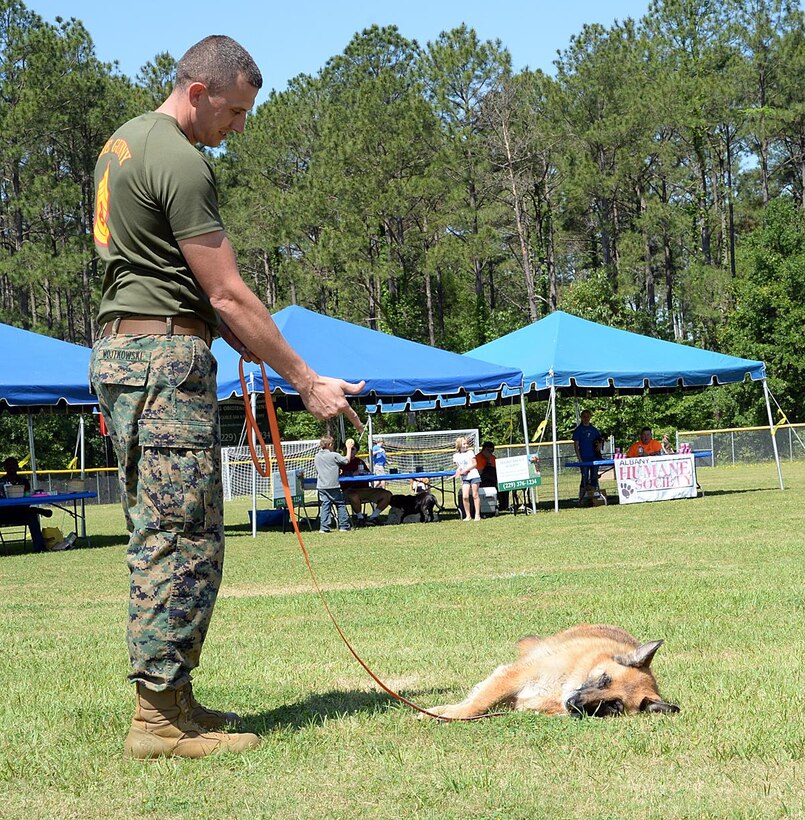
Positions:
{"x": 271, "y": 280}
{"x": 651, "y": 303}
{"x": 440, "y": 303}
{"x": 704, "y": 224}
{"x": 730, "y": 208}
{"x": 429, "y": 311}
{"x": 477, "y": 266}
{"x": 525, "y": 253}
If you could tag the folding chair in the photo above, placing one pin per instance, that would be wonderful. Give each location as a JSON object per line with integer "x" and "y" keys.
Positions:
{"x": 20, "y": 533}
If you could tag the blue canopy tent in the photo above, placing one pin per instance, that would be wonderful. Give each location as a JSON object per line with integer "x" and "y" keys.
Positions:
{"x": 400, "y": 374}
{"x": 563, "y": 353}
{"x": 39, "y": 373}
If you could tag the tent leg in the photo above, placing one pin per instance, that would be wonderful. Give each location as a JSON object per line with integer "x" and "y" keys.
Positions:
{"x": 81, "y": 445}
{"x": 555, "y": 447}
{"x": 31, "y": 449}
{"x": 83, "y": 474}
{"x": 253, "y": 399}
{"x": 773, "y": 437}
{"x": 527, "y": 449}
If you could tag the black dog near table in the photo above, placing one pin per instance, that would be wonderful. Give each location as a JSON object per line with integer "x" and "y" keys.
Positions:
{"x": 421, "y": 504}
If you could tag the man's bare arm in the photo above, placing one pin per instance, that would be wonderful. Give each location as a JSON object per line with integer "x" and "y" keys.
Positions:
{"x": 248, "y": 323}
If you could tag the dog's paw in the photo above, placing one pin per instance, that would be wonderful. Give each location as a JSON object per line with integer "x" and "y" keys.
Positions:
{"x": 445, "y": 711}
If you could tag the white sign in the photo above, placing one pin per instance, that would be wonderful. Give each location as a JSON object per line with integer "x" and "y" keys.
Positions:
{"x": 278, "y": 493}
{"x": 516, "y": 473}
{"x": 655, "y": 478}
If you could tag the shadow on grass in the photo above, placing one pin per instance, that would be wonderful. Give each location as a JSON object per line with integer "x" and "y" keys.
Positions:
{"x": 612, "y": 499}
{"x": 318, "y": 709}
{"x": 93, "y": 542}
{"x": 741, "y": 491}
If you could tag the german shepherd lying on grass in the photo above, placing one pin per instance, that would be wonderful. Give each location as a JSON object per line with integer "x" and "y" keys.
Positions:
{"x": 595, "y": 670}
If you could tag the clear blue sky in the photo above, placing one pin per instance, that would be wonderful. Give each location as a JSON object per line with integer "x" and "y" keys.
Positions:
{"x": 291, "y": 38}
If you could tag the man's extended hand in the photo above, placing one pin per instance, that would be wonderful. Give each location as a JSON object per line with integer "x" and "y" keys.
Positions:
{"x": 327, "y": 398}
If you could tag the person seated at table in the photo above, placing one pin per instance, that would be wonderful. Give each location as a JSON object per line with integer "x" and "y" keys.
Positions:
{"x": 487, "y": 466}
{"x": 19, "y": 516}
{"x": 12, "y": 476}
{"x": 646, "y": 445}
{"x": 587, "y": 443}
{"x": 419, "y": 485}
{"x": 359, "y": 492}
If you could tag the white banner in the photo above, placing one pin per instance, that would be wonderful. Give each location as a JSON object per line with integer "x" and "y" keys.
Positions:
{"x": 655, "y": 478}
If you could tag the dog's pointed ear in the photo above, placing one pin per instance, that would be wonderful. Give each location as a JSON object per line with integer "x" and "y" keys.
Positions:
{"x": 526, "y": 644}
{"x": 641, "y": 657}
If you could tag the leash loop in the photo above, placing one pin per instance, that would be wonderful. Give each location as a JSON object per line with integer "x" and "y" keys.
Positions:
{"x": 253, "y": 432}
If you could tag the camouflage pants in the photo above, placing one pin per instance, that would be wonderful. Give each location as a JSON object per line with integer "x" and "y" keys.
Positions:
{"x": 158, "y": 397}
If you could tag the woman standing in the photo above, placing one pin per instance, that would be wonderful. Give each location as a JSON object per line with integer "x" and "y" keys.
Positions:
{"x": 467, "y": 471}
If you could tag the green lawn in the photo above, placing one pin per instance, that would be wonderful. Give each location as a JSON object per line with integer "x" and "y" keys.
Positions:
{"x": 432, "y": 609}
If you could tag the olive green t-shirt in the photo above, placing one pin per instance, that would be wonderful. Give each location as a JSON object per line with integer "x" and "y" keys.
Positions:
{"x": 152, "y": 188}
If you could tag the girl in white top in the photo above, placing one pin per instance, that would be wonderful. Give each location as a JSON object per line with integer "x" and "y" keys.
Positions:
{"x": 466, "y": 470}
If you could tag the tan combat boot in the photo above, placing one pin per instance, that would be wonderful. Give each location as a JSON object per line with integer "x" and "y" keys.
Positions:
{"x": 210, "y": 718}
{"x": 162, "y": 727}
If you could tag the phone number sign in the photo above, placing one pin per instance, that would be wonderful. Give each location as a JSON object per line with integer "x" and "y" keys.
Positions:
{"x": 516, "y": 473}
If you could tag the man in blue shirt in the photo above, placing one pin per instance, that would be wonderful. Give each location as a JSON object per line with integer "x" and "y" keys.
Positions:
{"x": 379, "y": 460}
{"x": 587, "y": 441}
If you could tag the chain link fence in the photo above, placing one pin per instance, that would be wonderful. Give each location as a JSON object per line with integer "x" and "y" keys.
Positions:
{"x": 730, "y": 447}
{"x": 746, "y": 445}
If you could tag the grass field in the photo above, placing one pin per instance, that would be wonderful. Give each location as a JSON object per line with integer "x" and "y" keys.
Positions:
{"x": 432, "y": 608}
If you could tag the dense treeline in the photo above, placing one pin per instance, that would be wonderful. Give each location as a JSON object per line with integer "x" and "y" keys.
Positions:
{"x": 655, "y": 182}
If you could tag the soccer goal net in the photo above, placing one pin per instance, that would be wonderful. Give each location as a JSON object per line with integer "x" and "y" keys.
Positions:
{"x": 236, "y": 467}
{"x": 424, "y": 452}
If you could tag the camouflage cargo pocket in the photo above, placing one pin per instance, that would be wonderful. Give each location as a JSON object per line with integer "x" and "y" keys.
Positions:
{"x": 178, "y": 476}
{"x": 118, "y": 373}
{"x": 115, "y": 361}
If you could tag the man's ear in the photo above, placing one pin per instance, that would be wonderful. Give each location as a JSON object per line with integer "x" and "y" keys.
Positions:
{"x": 194, "y": 91}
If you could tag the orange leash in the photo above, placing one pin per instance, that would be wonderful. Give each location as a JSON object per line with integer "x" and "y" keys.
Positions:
{"x": 253, "y": 432}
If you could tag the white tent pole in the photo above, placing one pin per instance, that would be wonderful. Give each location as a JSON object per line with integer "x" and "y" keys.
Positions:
{"x": 83, "y": 473}
{"x": 771, "y": 430}
{"x": 369, "y": 438}
{"x": 555, "y": 445}
{"x": 253, "y": 399}
{"x": 527, "y": 440}
{"x": 31, "y": 449}
{"x": 81, "y": 445}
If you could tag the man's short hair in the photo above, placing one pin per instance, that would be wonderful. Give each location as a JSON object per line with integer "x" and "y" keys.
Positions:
{"x": 217, "y": 61}
{"x": 645, "y": 430}
{"x": 325, "y": 442}
{"x": 487, "y": 444}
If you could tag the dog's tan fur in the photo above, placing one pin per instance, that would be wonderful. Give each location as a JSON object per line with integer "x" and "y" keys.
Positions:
{"x": 585, "y": 670}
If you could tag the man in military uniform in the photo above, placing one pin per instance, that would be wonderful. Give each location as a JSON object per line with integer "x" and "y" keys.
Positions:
{"x": 171, "y": 282}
